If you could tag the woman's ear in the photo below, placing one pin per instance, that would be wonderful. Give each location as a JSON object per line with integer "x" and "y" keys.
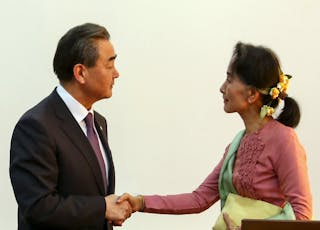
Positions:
{"x": 253, "y": 95}
{"x": 79, "y": 73}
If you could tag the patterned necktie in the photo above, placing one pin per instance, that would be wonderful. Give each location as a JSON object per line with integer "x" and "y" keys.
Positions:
{"x": 92, "y": 136}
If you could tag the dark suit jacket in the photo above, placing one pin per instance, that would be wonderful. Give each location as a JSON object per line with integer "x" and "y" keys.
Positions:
{"x": 54, "y": 172}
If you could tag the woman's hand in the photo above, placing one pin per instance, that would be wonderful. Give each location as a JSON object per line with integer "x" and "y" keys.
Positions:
{"x": 230, "y": 223}
{"x": 136, "y": 202}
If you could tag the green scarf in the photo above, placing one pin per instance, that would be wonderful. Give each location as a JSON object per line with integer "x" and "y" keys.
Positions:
{"x": 225, "y": 180}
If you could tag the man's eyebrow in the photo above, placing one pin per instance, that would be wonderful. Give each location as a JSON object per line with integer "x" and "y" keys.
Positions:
{"x": 112, "y": 58}
{"x": 229, "y": 73}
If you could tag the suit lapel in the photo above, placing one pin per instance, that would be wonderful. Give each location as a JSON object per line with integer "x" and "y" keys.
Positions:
{"x": 72, "y": 129}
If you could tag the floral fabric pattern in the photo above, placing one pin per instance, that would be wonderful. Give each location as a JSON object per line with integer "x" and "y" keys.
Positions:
{"x": 248, "y": 153}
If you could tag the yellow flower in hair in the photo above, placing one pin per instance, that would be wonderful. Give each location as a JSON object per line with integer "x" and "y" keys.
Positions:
{"x": 274, "y": 92}
{"x": 266, "y": 111}
{"x": 283, "y": 83}
{"x": 270, "y": 111}
{"x": 282, "y": 86}
{"x": 284, "y": 79}
{"x": 278, "y": 91}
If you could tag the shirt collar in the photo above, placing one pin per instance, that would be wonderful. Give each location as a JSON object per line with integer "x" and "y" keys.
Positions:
{"x": 78, "y": 111}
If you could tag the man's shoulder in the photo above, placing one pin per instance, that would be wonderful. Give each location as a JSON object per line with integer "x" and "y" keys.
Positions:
{"x": 42, "y": 109}
{"x": 98, "y": 115}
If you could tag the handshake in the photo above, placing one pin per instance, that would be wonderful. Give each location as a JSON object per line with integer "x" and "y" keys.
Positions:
{"x": 120, "y": 208}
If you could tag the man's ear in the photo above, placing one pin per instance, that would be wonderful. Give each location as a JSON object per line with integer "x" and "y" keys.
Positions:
{"x": 253, "y": 95}
{"x": 79, "y": 73}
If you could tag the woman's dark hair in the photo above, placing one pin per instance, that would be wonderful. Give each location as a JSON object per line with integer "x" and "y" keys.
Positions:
{"x": 259, "y": 66}
{"x": 78, "y": 45}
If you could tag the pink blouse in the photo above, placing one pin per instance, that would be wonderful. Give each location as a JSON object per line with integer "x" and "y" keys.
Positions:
{"x": 270, "y": 165}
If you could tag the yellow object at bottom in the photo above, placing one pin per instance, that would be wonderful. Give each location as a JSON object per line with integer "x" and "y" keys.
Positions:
{"x": 239, "y": 208}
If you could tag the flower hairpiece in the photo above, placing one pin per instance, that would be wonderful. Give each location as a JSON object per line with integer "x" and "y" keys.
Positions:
{"x": 266, "y": 110}
{"x": 281, "y": 88}
{"x": 279, "y": 91}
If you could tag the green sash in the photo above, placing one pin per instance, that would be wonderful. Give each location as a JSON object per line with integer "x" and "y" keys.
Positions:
{"x": 225, "y": 180}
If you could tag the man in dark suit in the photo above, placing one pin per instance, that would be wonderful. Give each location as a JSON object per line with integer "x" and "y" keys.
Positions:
{"x": 61, "y": 167}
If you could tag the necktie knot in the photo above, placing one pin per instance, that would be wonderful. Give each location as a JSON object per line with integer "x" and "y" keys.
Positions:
{"x": 89, "y": 121}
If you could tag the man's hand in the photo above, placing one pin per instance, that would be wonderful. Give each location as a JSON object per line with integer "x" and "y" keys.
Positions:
{"x": 117, "y": 213}
{"x": 136, "y": 202}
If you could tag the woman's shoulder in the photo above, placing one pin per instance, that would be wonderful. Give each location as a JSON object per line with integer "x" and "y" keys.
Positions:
{"x": 275, "y": 129}
{"x": 280, "y": 138}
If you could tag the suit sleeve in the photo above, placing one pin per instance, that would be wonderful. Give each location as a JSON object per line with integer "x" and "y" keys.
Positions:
{"x": 34, "y": 175}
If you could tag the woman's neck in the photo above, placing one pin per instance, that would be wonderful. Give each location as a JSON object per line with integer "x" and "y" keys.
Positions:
{"x": 254, "y": 123}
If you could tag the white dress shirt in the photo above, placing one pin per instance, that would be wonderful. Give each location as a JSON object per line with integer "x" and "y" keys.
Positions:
{"x": 79, "y": 112}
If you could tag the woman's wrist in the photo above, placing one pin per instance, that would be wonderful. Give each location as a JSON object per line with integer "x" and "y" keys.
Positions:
{"x": 141, "y": 203}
